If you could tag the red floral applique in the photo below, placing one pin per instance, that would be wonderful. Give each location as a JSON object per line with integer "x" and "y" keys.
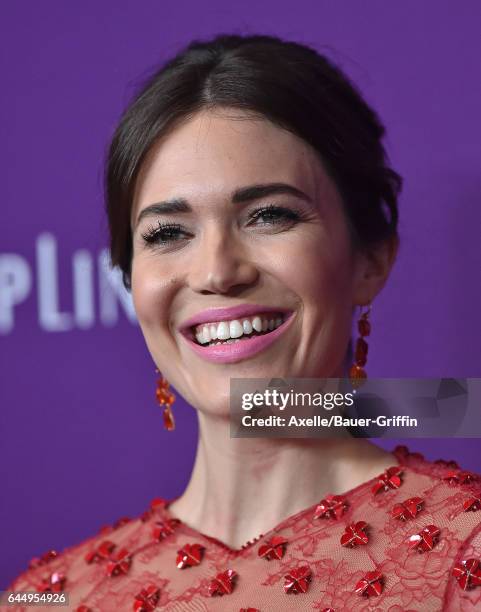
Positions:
{"x": 462, "y": 477}
{"x": 333, "y": 506}
{"x": 53, "y": 584}
{"x": 119, "y": 563}
{"x": 468, "y": 574}
{"x": 189, "y": 555}
{"x": 390, "y": 479}
{"x": 473, "y": 503}
{"x": 102, "y": 552}
{"x": 147, "y": 599}
{"x": 426, "y": 539}
{"x": 156, "y": 503}
{"x": 371, "y": 584}
{"x": 355, "y": 534}
{"x": 121, "y": 522}
{"x": 249, "y": 610}
{"x": 223, "y": 583}
{"x": 297, "y": 580}
{"x": 162, "y": 529}
{"x": 43, "y": 559}
{"x": 105, "y": 529}
{"x": 83, "y": 608}
{"x": 408, "y": 509}
{"x": 273, "y": 549}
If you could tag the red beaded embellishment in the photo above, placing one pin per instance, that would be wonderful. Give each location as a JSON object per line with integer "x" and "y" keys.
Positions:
{"x": 297, "y": 580}
{"x": 249, "y": 610}
{"x": 147, "y": 599}
{"x": 426, "y": 539}
{"x": 53, "y": 584}
{"x": 462, "y": 477}
{"x": 223, "y": 583}
{"x": 189, "y": 555}
{"x": 333, "y": 506}
{"x": 355, "y": 534}
{"x": 468, "y": 574}
{"x": 390, "y": 479}
{"x": 121, "y": 522}
{"x": 273, "y": 549}
{"x": 43, "y": 559}
{"x": 408, "y": 509}
{"x": 157, "y": 502}
{"x": 162, "y": 529}
{"x": 119, "y": 563}
{"x": 103, "y": 551}
{"x": 371, "y": 584}
{"x": 83, "y": 608}
{"x": 472, "y": 504}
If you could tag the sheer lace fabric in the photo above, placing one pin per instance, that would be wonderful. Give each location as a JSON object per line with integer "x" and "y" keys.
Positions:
{"x": 410, "y": 578}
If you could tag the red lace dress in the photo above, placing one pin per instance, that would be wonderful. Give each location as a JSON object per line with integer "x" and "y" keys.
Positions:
{"x": 407, "y": 540}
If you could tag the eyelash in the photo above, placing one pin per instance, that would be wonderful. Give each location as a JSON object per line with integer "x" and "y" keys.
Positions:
{"x": 157, "y": 235}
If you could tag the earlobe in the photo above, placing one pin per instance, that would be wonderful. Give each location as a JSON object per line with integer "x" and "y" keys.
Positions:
{"x": 373, "y": 268}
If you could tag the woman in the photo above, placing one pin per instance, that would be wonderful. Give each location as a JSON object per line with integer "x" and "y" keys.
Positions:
{"x": 248, "y": 194}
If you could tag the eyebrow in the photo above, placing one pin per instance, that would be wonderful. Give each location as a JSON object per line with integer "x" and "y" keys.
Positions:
{"x": 241, "y": 195}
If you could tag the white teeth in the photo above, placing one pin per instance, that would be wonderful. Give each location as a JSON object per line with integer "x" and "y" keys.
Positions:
{"x": 207, "y": 337}
{"x": 257, "y": 324}
{"x": 232, "y": 331}
{"x": 247, "y": 326}
{"x": 223, "y": 331}
{"x": 235, "y": 329}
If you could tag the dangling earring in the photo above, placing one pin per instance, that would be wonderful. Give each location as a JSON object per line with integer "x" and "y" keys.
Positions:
{"x": 165, "y": 398}
{"x": 357, "y": 373}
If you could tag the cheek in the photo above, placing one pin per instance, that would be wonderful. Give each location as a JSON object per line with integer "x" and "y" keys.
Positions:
{"x": 319, "y": 271}
{"x": 150, "y": 293}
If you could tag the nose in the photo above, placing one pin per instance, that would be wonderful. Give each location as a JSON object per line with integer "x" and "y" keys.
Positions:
{"x": 221, "y": 265}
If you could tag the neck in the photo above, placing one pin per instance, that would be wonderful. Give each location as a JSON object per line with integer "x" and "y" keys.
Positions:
{"x": 243, "y": 487}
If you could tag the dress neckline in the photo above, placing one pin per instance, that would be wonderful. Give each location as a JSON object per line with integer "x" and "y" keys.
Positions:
{"x": 399, "y": 460}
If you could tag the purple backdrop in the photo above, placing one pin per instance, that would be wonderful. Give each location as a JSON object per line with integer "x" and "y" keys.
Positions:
{"x": 82, "y": 441}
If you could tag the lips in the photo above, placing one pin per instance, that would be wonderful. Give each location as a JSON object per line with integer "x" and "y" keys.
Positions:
{"x": 241, "y": 348}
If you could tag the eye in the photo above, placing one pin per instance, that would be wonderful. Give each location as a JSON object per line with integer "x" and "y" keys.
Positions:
{"x": 273, "y": 214}
{"x": 164, "y": 233}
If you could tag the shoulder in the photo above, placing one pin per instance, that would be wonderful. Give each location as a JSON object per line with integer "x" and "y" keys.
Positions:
{"x": 77, "y": 568}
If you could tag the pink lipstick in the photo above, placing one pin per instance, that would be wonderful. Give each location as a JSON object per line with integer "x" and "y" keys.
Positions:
{"x": 244, "y": 348}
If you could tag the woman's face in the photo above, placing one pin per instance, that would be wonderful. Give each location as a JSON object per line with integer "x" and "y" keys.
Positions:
{"x": 290, "y": 267}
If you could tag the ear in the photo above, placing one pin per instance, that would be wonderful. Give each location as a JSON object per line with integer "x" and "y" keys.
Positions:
{"x": 372, "y": 268}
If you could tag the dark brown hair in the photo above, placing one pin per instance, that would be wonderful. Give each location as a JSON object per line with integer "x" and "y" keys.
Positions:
{"x": 290, "y": 84}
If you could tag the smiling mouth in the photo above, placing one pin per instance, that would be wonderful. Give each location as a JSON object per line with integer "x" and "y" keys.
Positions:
{"x": 236, "y": 330}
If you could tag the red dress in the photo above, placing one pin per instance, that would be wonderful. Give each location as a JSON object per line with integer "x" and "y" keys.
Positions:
{"x": 407, "y": 540}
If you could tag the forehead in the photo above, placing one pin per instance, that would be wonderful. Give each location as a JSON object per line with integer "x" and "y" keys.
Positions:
{"x": 211, "y": 154}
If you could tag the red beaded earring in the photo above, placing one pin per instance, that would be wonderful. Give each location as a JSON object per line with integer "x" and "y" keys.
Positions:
{"x": 166, "y": 398}
{"x": 357, "y": 373}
